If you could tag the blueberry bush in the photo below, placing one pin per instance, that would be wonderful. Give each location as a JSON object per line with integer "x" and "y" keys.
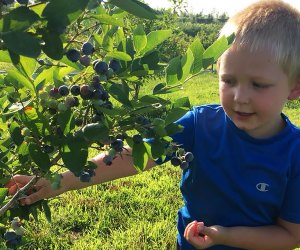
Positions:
{"x": 72, "y": 83}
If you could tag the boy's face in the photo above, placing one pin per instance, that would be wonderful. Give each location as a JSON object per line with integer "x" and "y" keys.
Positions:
{"x": 253, "y": 90}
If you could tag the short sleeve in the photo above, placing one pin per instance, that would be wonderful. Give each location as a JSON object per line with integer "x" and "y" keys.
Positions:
{"x": 186, "y": 138}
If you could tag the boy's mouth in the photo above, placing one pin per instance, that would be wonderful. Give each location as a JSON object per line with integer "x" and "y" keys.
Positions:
{"x": 244, "y": 114}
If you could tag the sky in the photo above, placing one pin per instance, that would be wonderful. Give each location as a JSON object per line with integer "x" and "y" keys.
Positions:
{"x": 209, "y": 6}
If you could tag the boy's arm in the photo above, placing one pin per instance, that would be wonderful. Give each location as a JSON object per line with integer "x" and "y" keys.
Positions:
{"x": 284, "y": 235}
{"x": 120, "y": 167}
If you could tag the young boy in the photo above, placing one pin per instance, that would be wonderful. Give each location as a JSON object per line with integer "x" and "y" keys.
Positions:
{"x": 243, "y": 182}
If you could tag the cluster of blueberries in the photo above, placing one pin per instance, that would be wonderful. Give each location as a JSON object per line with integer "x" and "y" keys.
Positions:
{"x": 84, "y": 57}
{"x": 13, "y": 237}
{"x": 7, "y": 2}
{"x": 182, "y": 159}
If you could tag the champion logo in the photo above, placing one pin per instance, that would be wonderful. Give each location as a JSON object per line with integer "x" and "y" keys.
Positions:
{"x": 262, "y": 187}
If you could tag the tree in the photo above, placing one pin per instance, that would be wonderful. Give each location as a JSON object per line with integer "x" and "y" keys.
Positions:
{"x": 75, "y": 68}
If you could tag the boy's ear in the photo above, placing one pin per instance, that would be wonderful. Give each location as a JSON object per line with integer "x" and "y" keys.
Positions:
{"x": 295, "y": 91}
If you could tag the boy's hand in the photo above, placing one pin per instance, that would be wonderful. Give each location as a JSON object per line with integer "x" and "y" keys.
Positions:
{"x": 40, "y": 190}
{"x": 202, "y": 237}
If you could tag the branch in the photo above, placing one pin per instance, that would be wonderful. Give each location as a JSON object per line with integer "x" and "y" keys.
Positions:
{"x": 18, "y": 195}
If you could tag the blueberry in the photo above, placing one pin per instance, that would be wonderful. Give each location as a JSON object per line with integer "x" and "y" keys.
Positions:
{"x": 105, "y": 95}
{"x": 115, "y": 65}
{"x": 47, "y": 148}
{"x": 101, "y": 67}
{"x": 85, "y": 92}
{"x": 54, "y": 93}
{"x": 117, "y": 145}
{"x": 85, "y": 177}
{"x": 85, "y": 60}
{"x": 63, "y": 90}
{"x": 87, "y": 48}
{"x": 73, "y": 55}
{"x": 75, "y": 90}
{"x": 71, "y": 101}
{"x": 184, "y": 165}
{"x": 189, "y": 157}
{"x": 97, "y": 94}
{"x": 175, "y": 161}
{"x": 91, "y": 172}
{"x": 41, "y": 61}
{"x": 107, "y": 159}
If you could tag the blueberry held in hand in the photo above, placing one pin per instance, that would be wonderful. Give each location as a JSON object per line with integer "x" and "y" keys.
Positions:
{"x": 117, "y": 145}
{"x": 175, "y": 161}
{"x": 189, "y": 157}
{"x": 107, "y": 159}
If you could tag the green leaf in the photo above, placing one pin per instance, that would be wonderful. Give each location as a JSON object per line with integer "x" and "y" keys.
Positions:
{"x": 174, "y": 128}
{"x": 161, "y": 88}
{"x": 21, "y": 79}
{"x": 4, "y": 56}
{"x": 118, "y": 92}
{"x": 66, "y": 121}
{"x": 28, "y": 65}
{"x": 182, "y": 102}
{"x": 53, "y": 46}
{"x": 16, "y": 135}
{"x": 107, "y": 19}
{"x": 3, "y": 193}
{"x": 139, "y": 38}
{"x": 174, "y": 114}
{"x": 140, "y": 156}
{"x": 174, "y": 71}
{"x": 18, "y": 19}
{"x": 154, "y": 38}
{"x": 157, "y": 148}
{"x": 136, "y": 8}
{"x": 64, "y": 12}
{"x": 119, "y": 55}
{"x": 94, "y": 132}
{"x": 214, "y": 51}
{"x": 74, "y": 153}
{"x": 47, "y": 210}
{"x": 197, "y": 49}
{"x": 22, "y": 43}
{"x": 40, "y": 158}
{"x": 186, "y": 64}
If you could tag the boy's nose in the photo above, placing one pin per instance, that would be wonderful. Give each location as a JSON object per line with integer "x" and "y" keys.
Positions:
{"x": 241, "y": 94}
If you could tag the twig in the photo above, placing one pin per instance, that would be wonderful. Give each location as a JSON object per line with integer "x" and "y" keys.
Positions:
{"x": 17, "y": 196}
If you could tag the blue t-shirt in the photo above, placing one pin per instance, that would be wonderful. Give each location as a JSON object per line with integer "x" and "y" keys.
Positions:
{"x": 235, "y": 179}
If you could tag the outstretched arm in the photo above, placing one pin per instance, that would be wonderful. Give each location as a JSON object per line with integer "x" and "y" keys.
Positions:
{"x": 120, "y": 167}
{"x": 284, "y": 235}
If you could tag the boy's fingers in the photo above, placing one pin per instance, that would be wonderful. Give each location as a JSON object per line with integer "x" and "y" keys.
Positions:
{"x": 188, "y": 229}
{"x": 32, "y": 198}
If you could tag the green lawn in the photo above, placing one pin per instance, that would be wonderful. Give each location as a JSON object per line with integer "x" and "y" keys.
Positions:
{"x": 132, "y": 213}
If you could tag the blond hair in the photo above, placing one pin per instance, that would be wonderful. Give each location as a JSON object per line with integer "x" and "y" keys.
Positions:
{"x": 271, "y": 25}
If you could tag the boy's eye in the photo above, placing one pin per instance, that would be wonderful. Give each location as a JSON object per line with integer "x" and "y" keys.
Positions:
{"x": 227, "y": 81}
{"x": 260, "y": 85}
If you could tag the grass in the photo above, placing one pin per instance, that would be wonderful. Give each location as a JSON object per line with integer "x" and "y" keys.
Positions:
{"x": 133, "y": 213}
